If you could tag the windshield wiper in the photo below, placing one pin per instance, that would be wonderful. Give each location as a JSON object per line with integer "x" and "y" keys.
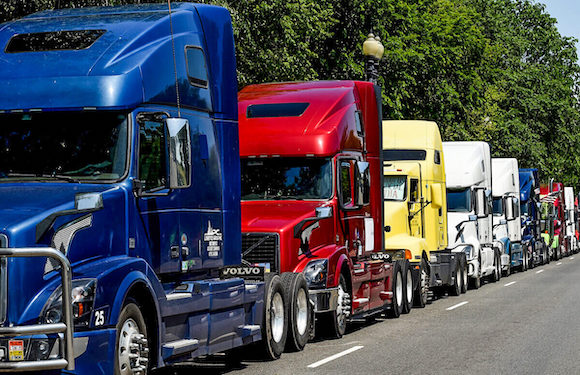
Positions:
{"x": 43, "y": 175}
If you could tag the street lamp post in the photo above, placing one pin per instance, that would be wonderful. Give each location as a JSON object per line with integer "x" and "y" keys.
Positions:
{"x": 373, "y": 51}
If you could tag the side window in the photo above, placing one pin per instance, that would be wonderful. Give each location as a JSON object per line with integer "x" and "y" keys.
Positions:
{"x": 358, "y": 121}
{"x": 437, "y": 157}
{"x": 345, "y": 183}
{"x": 196, "y": 67}
{"x": 152, "y": 168}
{"x": 414, "y": 190}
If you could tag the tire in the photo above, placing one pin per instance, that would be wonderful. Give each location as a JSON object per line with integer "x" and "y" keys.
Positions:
{"x": 531, "y": 261}
{"x": 397, "y": 302}
{"x": 422, "y": 292}
{"x": 497, "y": 269}
{"x": 455, "y": 289}
{"x": 274, "y": 318}
{"x": 408, "y": 292}
{"x": 465, "y": 276}
{"x": 298, "y": 309}
{"x": 476, "y": 282}
{"x": 131, "y": 340}
{"x": 524, "y": 261}
{"x": 333, "y": 323}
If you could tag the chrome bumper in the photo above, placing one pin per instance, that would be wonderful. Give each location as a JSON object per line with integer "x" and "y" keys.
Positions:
{"x": 324, "y": 299}
{"x": 64, "y": 330}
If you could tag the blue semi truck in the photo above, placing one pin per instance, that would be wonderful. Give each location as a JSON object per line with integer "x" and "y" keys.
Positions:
{"x": 120, "y": 194}
{"x": 532, "y": 242}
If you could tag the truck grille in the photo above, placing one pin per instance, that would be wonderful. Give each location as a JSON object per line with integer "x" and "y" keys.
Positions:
{"x": 261, "y": 248}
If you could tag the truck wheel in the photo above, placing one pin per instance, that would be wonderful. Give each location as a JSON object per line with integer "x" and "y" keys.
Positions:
{"x": 408, "y": 301}
{"x": 298, "y": 310}
{"x": 422, "y": 292}
{"x": 497, "y": 270}
{"x": 476, "y": 281}
{"x": 546, "y": 255}
{"x": 524, "y": 262}
{"x": 274, "y": 319}
{"x": 455, "y": 289}
{"x": 465, "y": 276}
{"x": 132, "y": 345}
{"x": 397, "y": 303}
{"x": 334, "y": 322}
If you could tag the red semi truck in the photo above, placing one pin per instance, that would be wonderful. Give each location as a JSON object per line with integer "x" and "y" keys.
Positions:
{"x": 309, "y": 153}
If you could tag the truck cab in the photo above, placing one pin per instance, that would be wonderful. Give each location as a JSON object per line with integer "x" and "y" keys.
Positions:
{"x": 120, "y": 202}
{"x": 415, "y": 209}
{"x": 553, "y": 218}
{"x": 309, "y": 152}
{"x": 570, "y": 235}
{"x": 469, "y": 199}
{"x": 506, "y": 213}
{"x": 532, "y": 242}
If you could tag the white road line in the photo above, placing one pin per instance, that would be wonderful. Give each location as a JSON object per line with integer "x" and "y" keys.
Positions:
{"x": 540, "y": 271}
{"x": 508, "y": 284}
{"x": 456, "y": 306}
{"x": 558, "y": 263}
{"x": 333, "y": 357}
{"x": 571, "y": 258}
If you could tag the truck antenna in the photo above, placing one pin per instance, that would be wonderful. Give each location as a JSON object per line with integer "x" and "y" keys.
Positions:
{"x": 174, "y": 60}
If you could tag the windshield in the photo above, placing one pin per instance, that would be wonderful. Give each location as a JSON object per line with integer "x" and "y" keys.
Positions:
{"x": 459, "y": 200}
{"x": 68, "y": 146}
{"x": 394, "y": 188}
{"x": 497, "y": 206}
{"x": 286, "y": 178}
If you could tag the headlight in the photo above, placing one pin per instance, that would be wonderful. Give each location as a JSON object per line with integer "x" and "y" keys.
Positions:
{"x": 316, "y": 273}
{"x": 83, "y": 297}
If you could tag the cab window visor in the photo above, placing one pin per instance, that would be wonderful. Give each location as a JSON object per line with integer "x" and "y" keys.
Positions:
{"x": 53, "y": 41}
{"x": 276, "y": 110}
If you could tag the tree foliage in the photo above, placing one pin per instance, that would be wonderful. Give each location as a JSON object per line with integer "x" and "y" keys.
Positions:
{"x": 492, "y": 70}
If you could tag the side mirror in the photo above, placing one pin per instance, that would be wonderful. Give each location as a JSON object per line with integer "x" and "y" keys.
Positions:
{"x": 436, "y": 195}
{"x": 509, "y": 209}
{"x": 480, "y": 203}
{"x": 472, "y": 218}
{"x": 323, "y": 212}
{"x": 362, "y": 183}
{"x": 179, "y": 153}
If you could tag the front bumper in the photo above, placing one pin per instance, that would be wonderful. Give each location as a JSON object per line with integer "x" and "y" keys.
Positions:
{"x": 324, "y": 300}
{"x": 64, "y": 332}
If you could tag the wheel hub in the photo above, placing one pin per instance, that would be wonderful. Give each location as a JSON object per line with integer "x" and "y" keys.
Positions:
{"x": 302, "y": 305}
{"x": 277, "y": 317}
{"x": 133, "y": 350}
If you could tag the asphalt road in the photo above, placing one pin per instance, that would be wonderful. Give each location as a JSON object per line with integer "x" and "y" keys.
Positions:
{"x": 528, "y": 323}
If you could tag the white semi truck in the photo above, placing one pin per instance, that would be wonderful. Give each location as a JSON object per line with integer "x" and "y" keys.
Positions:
{"x": 569, "y": 215}
{"x": 469, "y": 212}
{"x": 507, "y": 231}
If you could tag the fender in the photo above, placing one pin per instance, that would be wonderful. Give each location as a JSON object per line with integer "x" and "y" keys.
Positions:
{"x": 336, "y": 256}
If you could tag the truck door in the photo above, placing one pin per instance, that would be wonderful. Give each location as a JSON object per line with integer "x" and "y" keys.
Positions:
{"x": 158, "y": 206}
{"x": 351, "y": 220}
{"x": 415, "y": 209}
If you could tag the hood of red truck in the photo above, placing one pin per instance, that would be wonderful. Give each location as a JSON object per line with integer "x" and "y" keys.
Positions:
{"x": 279, "y": 218}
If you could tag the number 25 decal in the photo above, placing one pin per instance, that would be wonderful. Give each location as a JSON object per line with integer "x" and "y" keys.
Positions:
{"x": 99, "y": 318}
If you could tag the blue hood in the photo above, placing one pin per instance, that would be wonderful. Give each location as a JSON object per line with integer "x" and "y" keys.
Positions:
{"x": 24, "y": 206}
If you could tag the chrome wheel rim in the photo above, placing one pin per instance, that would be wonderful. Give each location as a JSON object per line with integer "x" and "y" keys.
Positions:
{"x": 341, "y": 309}
{"x": 277, "y": 317}
{"x": 133, "y": 349}
{"x": 399, "y": 288}
{"x": 302, "y": 311}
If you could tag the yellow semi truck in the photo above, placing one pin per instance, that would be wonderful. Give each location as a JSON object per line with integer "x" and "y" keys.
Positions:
{"x": 415, "y": 209}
